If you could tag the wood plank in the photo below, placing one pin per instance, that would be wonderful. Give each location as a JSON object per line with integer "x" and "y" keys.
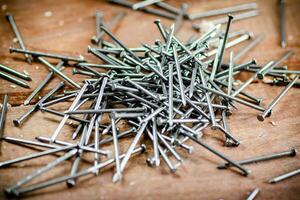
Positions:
{"x": 198, "y": 178}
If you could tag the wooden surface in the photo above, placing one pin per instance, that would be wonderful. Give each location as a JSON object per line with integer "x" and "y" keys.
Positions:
{"x": 68, "y": 31}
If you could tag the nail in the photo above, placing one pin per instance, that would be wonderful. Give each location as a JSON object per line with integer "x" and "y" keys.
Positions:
{"x": 118, "y": 87}
{"x": 155, "y": 142}
{"x": 232, "y": 43}
{"x": 230, "y": 78}
{"x": 267, "y": 111}
{"x": 97, "y": 106}
{"x": 120, "y": 135}
{"x": 208, "y": 101}
{"x": 15, "y": 73}
{"x": 126, "y": 115}
{"x": 236, "y": 68}
{"x": 175, "y": 154}
{"x": 105, "y": 153}
{"x": 59, "y": 73}
{"x": 106, "y": 66}
{"x": 276, "y": 64}
{"x": 14, "y": 26}
{"x": 132, "y": 146}
{"x": 227, "y": 10}
{"x": 54, "y": 112}
{"x": 253, "y": 194}
{"x": 42, "y": 84}
{"x": 92, "y": 71}
{"x": 141, "y": 88}
{"x": 244, "y": 15}
{"x": 161, "y": 29}
{"x": 243, "y": 170}
{"x": 292, "y": 152}
{"x": 101, "y": 56}
{"x": 49, "y": 55}
{"x": 29, "y": 142}
{"x": 120, "y": 43}
{"x": 250, "y": 80}
{"x": 36, "y": 155}
{"x": 145, "y": 3}
{"x": 181, "y": 87}
{"x": 193, "y": 78}
{"x": 13, "y": 80}
{"x": 282, "y": 23}
{"x": 180, "y": 16}
{"x": 233, "y": 98}
{"x": 118, "y": 174}
{"x": 162, "y": 153}
{"x": 168, "y": 7}
{"x": 146, "y": 9}
{"x": 170, "y": 94}
{"x": 99, "y": 22}
{"x": 63, "y": 121}
{"x": 21, "y": 119}
{"x": 153, "y": 114}
{"x": 111, "y": 24}
{"x": 220, "y": 59}
{"x": 284, "y": 176}
{"x": 71, "y": 182}
{"x": 58, "y": 100}
{"x": 3, "y": 116}
{"x": 216, "y": 60}
{"x": 142, "y": 99}
{"x": 107, "y": 110}
{"x": 82, "y": 72}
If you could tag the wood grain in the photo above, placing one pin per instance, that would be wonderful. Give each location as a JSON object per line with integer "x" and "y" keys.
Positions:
{"x": 68, "y": 32}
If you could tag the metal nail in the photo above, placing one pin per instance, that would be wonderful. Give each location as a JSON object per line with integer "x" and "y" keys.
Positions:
{"x": 13, "y": 80}
{"x": 284, "y": 176}
{"x": 291, "y": 152}
{"x": 253, "y": 194}
{"x": 14, "y": 26}
{"x": 3, "y": 116}
{"x": 21, "y": 119}
{"x": 227, "y": 10}
{"x": 58, "y": 72}
{"x": 15, "y": 73}
{"x": 282, "y": 23}
{"x": 42, "y": 84}
{"x": 243, "y": 170}
{"x": 267, "y": 111}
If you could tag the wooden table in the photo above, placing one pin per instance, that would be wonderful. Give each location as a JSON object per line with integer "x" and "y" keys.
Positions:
{"x": 68, "y": 31}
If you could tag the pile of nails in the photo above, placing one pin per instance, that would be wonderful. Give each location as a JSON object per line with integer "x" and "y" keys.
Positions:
{"x": 168, "y": 92}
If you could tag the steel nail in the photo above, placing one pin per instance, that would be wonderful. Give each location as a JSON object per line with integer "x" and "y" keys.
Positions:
{"x": 267, "y": 111}
{"x": 118, "y": 174}
{"x": 58, "y": 72}
{"x": 253, "y": 194}
{"x": 244, "y": 171}
{"x": 14, "y": 72}
{"x": 42, "y": 84}
{"x": 3, "y": 116}
{"x": 227, "y": 10}
{"x": 14, "y": 26}
{"x": 20, "y": 120}
{"x": 292, "y": 152}
{"x": 13, "y": 80}
{"x": 282, "y": 23}
{"x": 284, "y": 176}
